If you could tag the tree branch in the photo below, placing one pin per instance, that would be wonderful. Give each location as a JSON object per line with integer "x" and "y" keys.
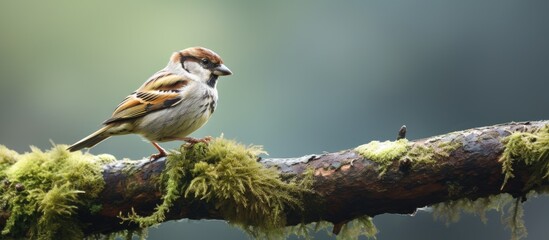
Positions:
{"x": 346, "y": 184}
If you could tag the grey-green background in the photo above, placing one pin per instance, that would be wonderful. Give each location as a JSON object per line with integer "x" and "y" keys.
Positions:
{"x": 309, "y": 76}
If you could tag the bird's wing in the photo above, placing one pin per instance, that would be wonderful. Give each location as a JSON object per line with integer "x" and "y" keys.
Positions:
{"x": 159, "y": 92}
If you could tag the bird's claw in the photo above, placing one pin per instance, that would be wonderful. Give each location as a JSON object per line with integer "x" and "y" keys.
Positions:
{"x": 192, "y": 141}
{"x": 157, "y": 156}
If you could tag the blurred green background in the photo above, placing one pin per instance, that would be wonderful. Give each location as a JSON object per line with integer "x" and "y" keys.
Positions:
{"x": 309, "y": 76}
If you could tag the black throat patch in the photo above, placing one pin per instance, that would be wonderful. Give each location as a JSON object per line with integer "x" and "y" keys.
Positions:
{"x": 212, "y": 81}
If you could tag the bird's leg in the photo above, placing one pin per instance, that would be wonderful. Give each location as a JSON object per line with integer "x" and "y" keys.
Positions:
{"x": 192, "y": 141}
{"x": 161, "y": 152}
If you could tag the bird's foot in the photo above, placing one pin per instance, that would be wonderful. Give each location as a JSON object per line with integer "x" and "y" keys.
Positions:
{"x": 157, "y": 156}
{"x": 192, "y": 141}
{"x": 161, "y": 153}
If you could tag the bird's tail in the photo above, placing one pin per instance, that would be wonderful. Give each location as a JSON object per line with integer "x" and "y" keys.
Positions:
{"x": 91, "y": 140}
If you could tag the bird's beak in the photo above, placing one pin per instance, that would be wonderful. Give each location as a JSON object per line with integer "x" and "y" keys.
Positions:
{"x": 222, "y": 70}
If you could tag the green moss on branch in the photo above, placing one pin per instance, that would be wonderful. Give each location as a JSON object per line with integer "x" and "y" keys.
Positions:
{"x": 530, "y": 148}
{"x": 511, "y": 210}
{"x": 44, "y": 191}
{"x": 227, "y": 175}
{"x": 522, "y": 147}
{"x": 386, "y": 153}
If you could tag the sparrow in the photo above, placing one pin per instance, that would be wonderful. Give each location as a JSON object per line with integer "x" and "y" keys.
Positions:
{"x": 170, "y": 105}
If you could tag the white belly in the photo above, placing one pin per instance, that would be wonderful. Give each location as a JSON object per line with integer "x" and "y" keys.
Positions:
{"x": 181, "y": 120}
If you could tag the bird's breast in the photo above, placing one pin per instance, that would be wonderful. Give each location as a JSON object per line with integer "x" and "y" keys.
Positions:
{"x": 182, "y": 119}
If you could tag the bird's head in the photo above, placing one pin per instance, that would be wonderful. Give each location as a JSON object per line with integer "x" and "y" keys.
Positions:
{"x": 200, "y": 62}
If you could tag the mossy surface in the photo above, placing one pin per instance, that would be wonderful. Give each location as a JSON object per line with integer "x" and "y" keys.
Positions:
{"x": 511, "y": 210}
{"x": 43, "y": 191}
{"x": 227, "y": 175}
{"x": 56, "y": 185}
{"x": 428, "y": 153}
{"x": 386, "y": 153}
{"x": 354, "y": 229}
{"x": 532, "y": 148}
{"x": 361, "y": 226}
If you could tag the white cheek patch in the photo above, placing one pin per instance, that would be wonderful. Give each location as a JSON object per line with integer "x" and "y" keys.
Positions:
{"x": 197, "y": 70}
{"x": 192, "y": 66}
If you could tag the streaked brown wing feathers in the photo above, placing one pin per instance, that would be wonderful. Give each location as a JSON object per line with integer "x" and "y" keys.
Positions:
{"x": 161, "y": 91}
{"x": 141, "y": 103}
{"x": 164, "y": 82}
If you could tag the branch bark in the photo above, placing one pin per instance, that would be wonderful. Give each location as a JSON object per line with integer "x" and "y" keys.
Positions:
{"x": 346, "y": 184}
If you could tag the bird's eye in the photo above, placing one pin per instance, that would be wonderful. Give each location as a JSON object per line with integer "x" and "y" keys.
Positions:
{"x": 205, "y": 61}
